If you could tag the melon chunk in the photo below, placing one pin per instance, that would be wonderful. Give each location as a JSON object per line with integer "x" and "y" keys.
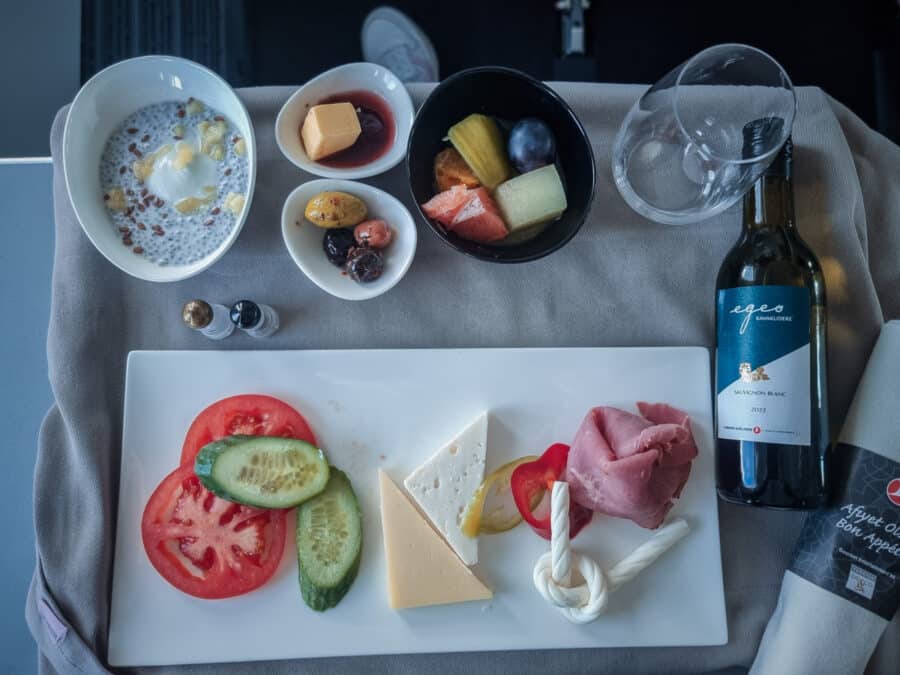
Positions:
{"x": 532, "y": 198}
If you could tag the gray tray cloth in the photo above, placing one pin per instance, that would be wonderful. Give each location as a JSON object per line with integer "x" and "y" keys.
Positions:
{"x": 622, "y": 281}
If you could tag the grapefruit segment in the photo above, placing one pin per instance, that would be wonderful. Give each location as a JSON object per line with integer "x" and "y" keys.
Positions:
{"x": 444, "y": 206}
{"x": 479, "y": 219}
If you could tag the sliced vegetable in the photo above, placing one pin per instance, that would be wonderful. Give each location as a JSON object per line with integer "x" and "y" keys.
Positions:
{"x": 205, "y": 546}
{"x": 248, "y": 415}
{"x": 329, "y": 543}
{"x": 475, "y": 521}
{"x": 264, "y": 471}
{"x": 534, "y": 479}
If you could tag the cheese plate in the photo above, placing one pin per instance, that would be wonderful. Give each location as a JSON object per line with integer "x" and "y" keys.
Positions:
{"x": 390, "y": 410}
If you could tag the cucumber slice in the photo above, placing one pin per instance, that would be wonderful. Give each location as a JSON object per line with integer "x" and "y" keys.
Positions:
{"x": 329, "y": 543}
{"x": 263, "y": 471}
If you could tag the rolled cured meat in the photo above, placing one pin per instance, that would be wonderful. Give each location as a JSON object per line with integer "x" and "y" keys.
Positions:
{"x": 631, "y": 466}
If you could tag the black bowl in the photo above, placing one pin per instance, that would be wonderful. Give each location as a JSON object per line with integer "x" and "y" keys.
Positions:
{"x": 508, "y": 95}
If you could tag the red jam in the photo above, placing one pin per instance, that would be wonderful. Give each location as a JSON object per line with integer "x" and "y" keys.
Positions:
{"x": 378, "y": 130}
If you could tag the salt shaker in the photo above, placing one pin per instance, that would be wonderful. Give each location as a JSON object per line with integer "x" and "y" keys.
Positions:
{"x": 255, "y": 319}
{"x": 211, "y": 319}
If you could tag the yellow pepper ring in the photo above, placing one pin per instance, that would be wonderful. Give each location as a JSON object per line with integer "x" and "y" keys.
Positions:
{"x": 475, "y": 522}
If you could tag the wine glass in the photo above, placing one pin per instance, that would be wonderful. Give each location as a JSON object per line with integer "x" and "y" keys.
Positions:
{"x": 679, "y": 157}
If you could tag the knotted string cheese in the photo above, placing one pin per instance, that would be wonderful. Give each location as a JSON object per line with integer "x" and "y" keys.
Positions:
{"x": 553, "y": 571}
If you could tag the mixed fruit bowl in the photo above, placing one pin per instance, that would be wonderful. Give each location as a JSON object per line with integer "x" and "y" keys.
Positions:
{"x": 500, "y": 166}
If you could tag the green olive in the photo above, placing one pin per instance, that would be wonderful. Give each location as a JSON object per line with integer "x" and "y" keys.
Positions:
{"x": 335, "y": 209}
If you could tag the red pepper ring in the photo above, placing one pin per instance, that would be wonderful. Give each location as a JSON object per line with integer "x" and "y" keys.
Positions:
{"x": 531, "y": 480}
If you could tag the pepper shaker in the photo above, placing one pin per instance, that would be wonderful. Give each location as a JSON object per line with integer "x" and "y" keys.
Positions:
{"x": 255, "y": 319}
{"x": 211, "y": 319}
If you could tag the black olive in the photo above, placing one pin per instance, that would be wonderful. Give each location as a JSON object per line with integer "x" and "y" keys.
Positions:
{"x": 337, "y": 244}
{"x": 365, "y": 264}
{"x": 370, "y": 123}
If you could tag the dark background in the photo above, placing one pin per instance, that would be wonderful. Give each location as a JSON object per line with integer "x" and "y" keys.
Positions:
{"x": 848, "y": 48}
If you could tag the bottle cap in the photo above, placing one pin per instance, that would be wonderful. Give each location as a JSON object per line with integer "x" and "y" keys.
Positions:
{"x": 245, "y": 314}
{"x": 197, "y": 314}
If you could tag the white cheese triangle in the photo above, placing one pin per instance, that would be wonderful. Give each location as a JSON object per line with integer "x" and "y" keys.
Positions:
{"x": 444, "y": 484}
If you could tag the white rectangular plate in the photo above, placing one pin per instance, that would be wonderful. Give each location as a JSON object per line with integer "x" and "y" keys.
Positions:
{"x": 392, "y": 409}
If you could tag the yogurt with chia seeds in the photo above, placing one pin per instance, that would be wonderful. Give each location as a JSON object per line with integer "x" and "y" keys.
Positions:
{"x": 175, "y": 177}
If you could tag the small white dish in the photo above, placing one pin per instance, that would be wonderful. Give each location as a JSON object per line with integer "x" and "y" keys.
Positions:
{"x": 99, "y": 108}
{"x": 348, "y": 77}
{"x": 304, "y": 240}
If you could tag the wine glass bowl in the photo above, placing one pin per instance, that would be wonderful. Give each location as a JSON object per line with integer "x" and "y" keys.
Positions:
{"x": 679, "y": 155}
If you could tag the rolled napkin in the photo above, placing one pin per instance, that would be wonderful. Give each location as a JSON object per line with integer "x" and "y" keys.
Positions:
{"x": 843, "y": 585}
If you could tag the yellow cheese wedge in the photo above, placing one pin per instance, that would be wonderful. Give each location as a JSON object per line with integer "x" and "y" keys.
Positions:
{"x": 329, "y": 128}
{"x": 422, "y": 569}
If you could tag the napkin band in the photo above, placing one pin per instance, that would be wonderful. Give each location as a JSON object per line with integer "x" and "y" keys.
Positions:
{"x": 852, "y": 548}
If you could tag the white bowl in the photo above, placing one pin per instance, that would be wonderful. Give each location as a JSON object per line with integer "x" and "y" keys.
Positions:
{"x": 100, "y": 107}
{"x": 304, "y": 241}
{"x": 349, "y": 77}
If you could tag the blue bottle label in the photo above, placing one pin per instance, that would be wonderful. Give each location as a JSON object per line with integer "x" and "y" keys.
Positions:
{"x": 763, "y": 364}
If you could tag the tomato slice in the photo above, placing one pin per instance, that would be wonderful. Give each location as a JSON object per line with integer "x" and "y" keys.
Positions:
{"x": 248, "y": 414}
{"x": 206, "y": 546}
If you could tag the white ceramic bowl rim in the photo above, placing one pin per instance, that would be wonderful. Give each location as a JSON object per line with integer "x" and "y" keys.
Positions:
{"x": 141, "y": 268}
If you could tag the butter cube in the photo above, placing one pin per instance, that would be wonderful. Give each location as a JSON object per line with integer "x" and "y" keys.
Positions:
{"x": 329, "y": 128}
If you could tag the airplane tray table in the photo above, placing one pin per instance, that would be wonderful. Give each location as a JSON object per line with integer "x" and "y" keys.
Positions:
{"x": 622, "y": 281}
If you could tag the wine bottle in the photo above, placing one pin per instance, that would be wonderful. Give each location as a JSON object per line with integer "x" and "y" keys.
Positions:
{"x": 772, "y": 438}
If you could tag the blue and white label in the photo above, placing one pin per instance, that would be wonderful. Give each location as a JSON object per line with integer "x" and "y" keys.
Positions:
{"x": 763, "y": 364}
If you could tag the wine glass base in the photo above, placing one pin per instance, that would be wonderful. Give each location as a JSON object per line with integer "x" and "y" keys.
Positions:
{"x": 662, "y": 216}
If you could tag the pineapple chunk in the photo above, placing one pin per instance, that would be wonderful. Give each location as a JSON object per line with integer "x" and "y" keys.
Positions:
{"x": 480, "y": 142}
{"x": 142, "y": 168}
{"x": 234, "y": 202}
{"x": 191, "y": 204}
{"x": 115, "y": 199}
{"x": 195, "y": 107}
{"x": 532, "y": 198}
{"x": 184, "y": 155}
{"x": 211, "y": 135}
